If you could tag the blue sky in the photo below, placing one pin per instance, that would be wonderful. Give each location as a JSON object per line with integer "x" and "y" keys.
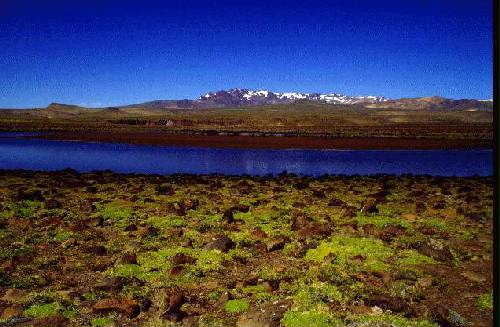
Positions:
{"x": 102, "y": 53}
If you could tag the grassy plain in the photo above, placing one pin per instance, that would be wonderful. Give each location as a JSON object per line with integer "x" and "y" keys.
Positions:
{"x": 103, "y": 249}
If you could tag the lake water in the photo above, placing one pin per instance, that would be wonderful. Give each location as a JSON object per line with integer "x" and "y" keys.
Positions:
{"x": 17, "y": 152}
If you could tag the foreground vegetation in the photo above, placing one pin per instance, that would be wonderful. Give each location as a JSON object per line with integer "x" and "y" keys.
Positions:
{"x": 102, "y": 249}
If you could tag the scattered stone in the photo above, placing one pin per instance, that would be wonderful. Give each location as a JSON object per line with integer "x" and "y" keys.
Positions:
{"x": 129, "y": 258}
{"x": 258, "y": 234}
{"x": 52, "y": 204}
{"x": 182, "y": 259}
{"x": 276, "y": 243}
{"x": 336, "y": 203}
{"x": 164, "y": 190}
{"x": 221, "y": 243}
{"x": 388, "y": 303}
{"x": 98, "y": 250}
{"x": 370, "y": 206}
{"x": 176, "y": 271}
{"x": 240, "y": 208}
{"x": 438, "y": 204}
{"x": 436, "y": 250}
{"x": 111, "y": 284}
{"x": 145, "y": 304}
{"x": 131, "y": 228}
{"x": 228, "y": 216}
{"x": 314, "y": 229}
{"x": 126, "y": 306}
{"x": 175, "y": 302}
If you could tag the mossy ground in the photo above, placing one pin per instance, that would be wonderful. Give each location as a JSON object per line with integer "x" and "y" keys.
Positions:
{"x": 302, "y": 240}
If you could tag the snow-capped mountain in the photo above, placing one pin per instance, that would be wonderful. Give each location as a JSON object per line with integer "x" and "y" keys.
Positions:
{"x": 238, "y": 97}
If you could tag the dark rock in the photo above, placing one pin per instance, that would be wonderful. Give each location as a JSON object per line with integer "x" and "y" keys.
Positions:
{"x": 176, "y": 271}
{"x": 174, "y": 304}
{"x": 336, "y": 203}
{"x": 111, "y": 284}
{"x": 438, "y": 204}
{"x": 258, "y": 234}
{"x": 314, "y": 229}
{"x": 131, "y": 228}
{"x": 391, "y": 231}
{"x": 182, "y": 259}
{"x": 145, "y": 304}
{"x": 96, "y": 249}
{"x": 240, "y": 208}
{"x": 52, "y": 204}
{"x": 228, "y": 216}
{"x": 436, "y": 250}
{"x": 388, "y": 303}
{"x": 191, "y": 204}
{"x": 478, "y": 217}
{"x": 276, "y": 243}
{"x": 126, "y": 306}
{"x": 129, "y": 258}
{"x": 164, "y": 190}
{"x": 319, "y": 194}
{"x": 174, "y": 315}
{"x": 177, "y": 208}
{"x": 22, "y": 195}
{"x": 370, "y": 206}
{"x": 221, "y": 243}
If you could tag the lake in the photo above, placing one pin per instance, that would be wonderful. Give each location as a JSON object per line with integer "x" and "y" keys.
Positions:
{"x": 18, "y": 152}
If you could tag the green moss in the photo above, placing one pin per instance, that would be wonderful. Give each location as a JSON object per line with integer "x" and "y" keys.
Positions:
{"x": 380, "y": 221}
{"x": 62, "y": 236}
{"x": 166, "y": 222}
{"x": 237, "y": 306}
{"x": 48, "y": 310}
{"x": 412, "y": 257}
{"x": 130, "y": 270}
{"x": 437, "y": 223}
{"x": 28, "y": 209}
{"x": 120, "y": 216}
{"x": 309, "y": 319}
{"x": 310, "y": 296}
{"x": 209, "y": 261}
{"x": 485, "y": 301}
{"x": 388, "y": 320}
{"x": 18, "y": 250}
{"x": 101, "y": 321}
{"x": 344, "y": 248}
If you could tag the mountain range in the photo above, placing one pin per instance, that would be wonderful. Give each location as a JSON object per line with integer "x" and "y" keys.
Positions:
{"x": 247, "y": 97}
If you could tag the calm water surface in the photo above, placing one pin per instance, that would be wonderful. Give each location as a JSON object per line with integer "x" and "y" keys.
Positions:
{"x": 23, "y": 153}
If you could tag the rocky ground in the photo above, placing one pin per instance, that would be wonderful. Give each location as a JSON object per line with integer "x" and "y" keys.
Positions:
{"x": 103, "y": 249}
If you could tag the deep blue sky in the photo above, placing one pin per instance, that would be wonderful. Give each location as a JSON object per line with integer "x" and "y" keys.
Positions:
{"x": 101, "y": 53}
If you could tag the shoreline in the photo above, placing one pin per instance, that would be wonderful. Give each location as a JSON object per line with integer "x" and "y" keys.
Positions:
{"x": 271, "y": 142}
